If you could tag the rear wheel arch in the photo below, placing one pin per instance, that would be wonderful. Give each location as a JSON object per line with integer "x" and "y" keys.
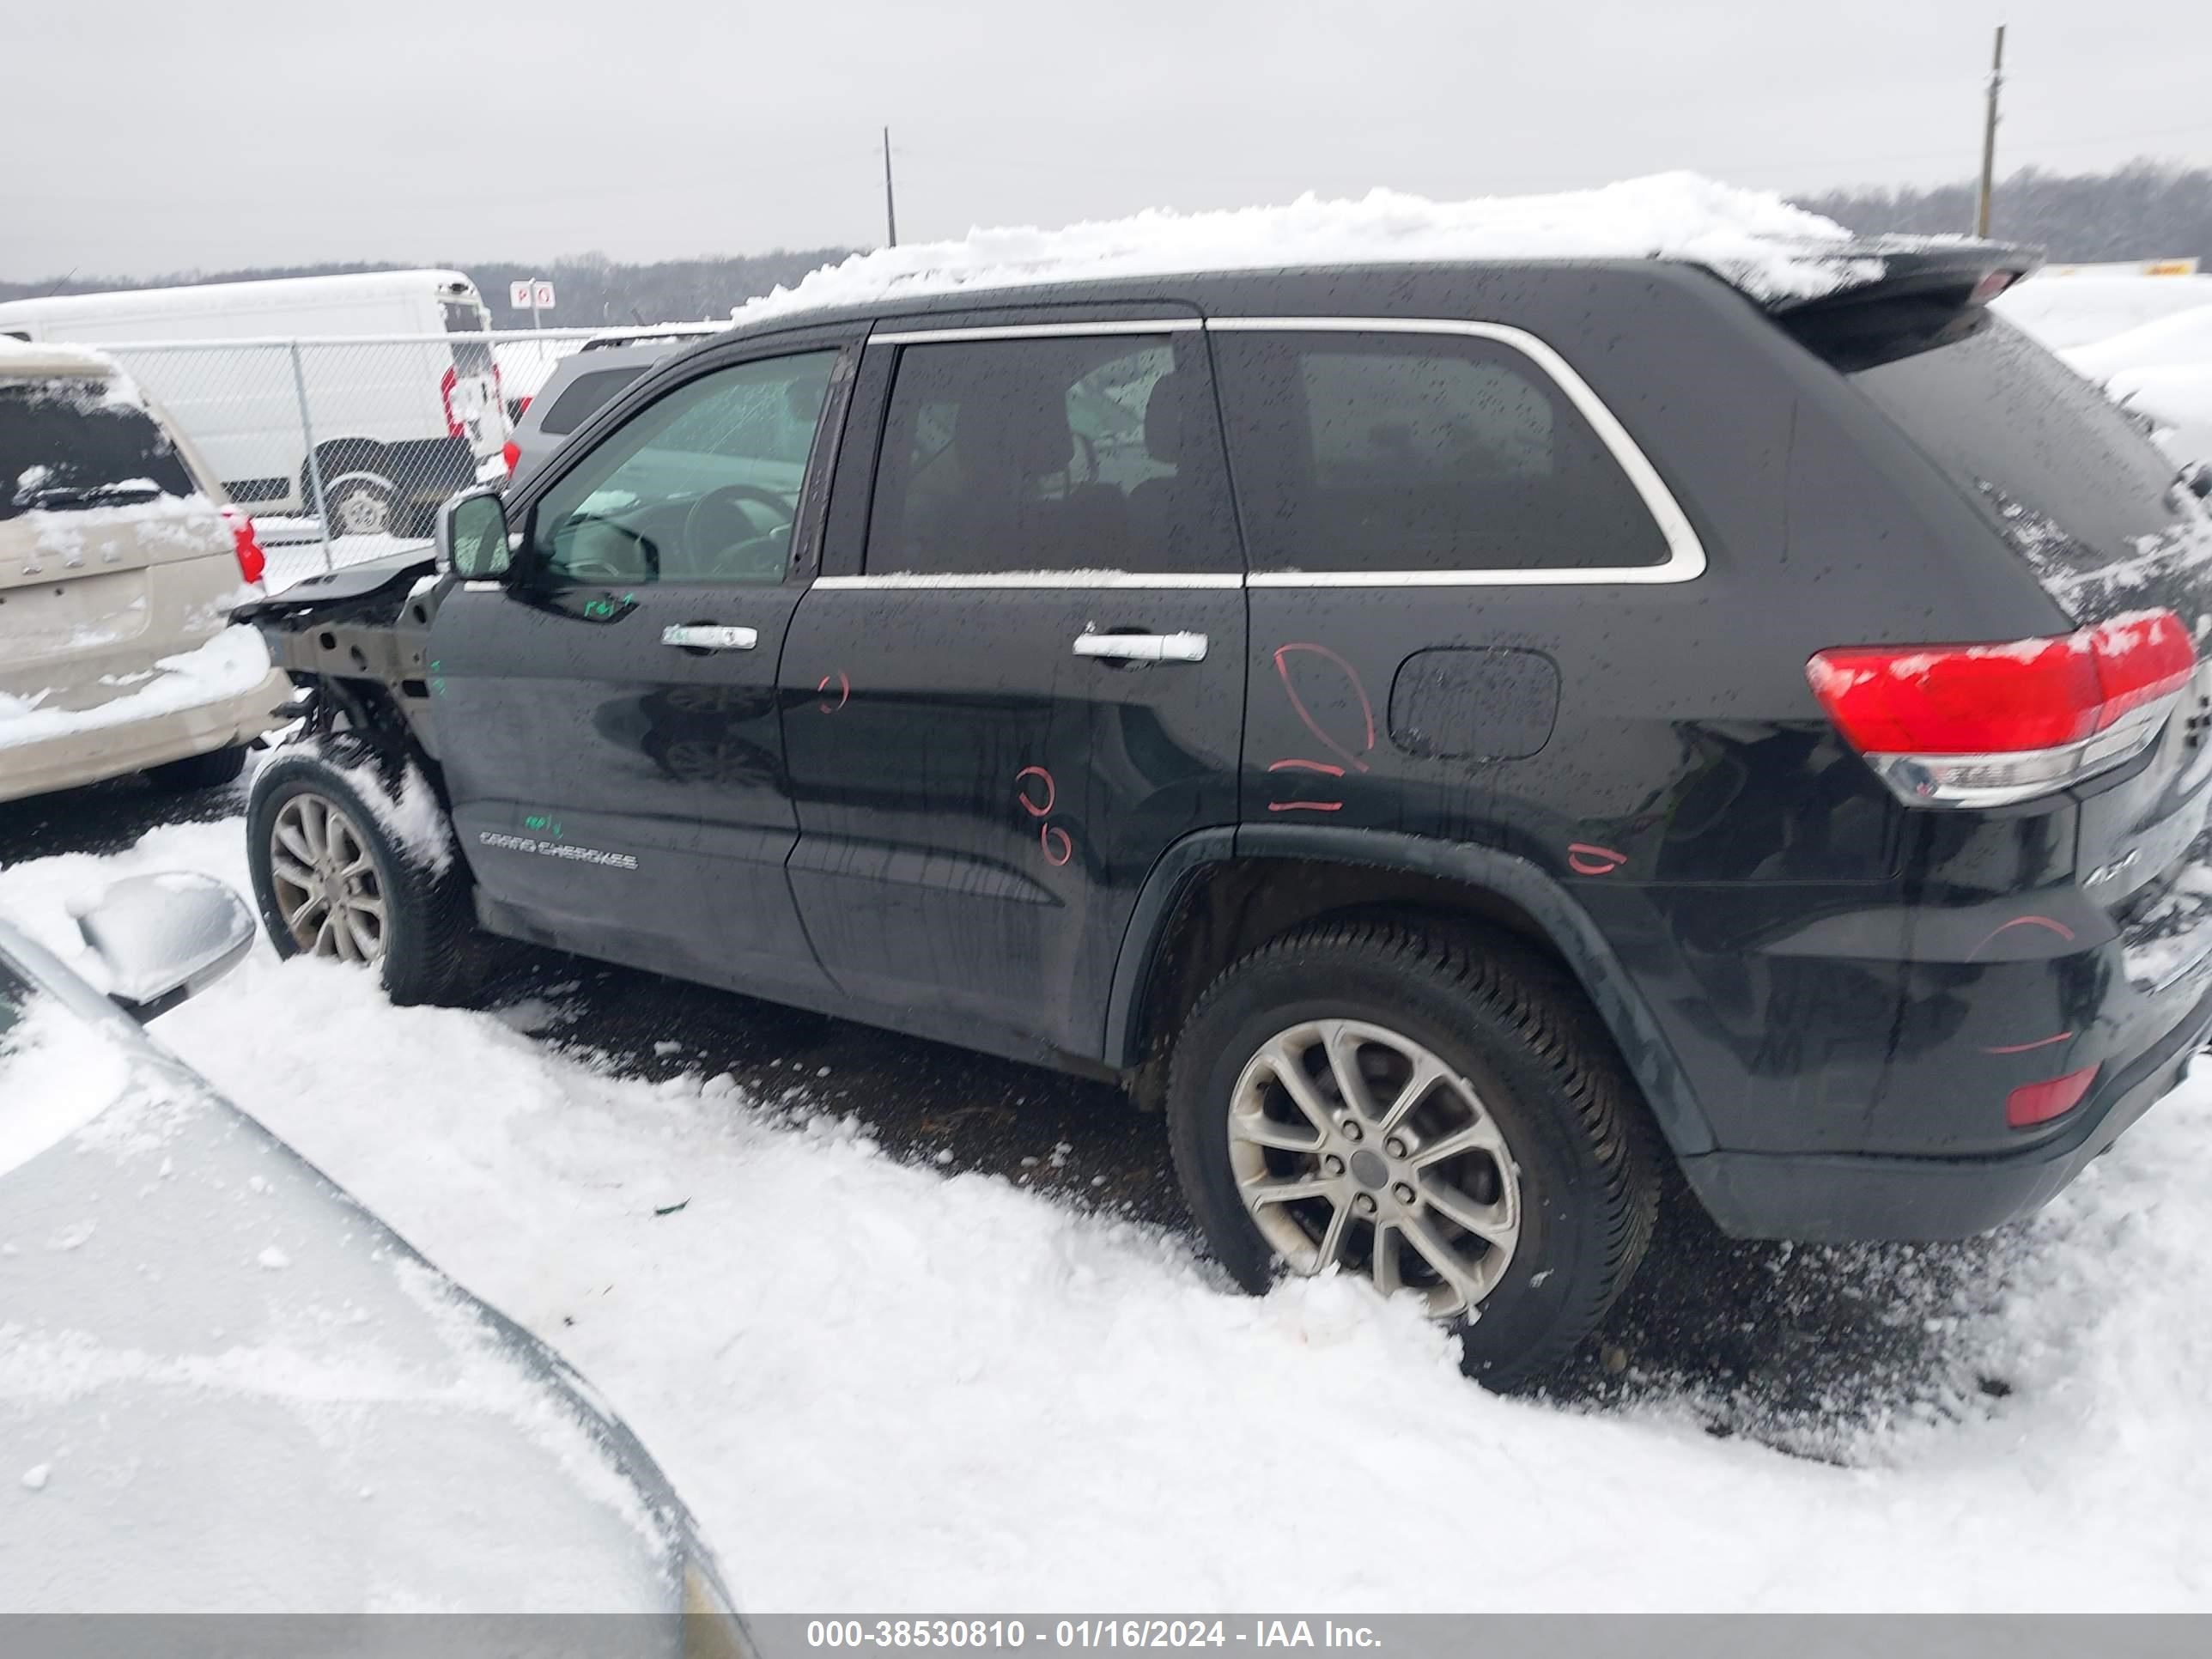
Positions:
{"x": 1219, "y": 895}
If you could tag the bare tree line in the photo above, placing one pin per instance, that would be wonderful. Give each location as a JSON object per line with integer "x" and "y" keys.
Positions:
{"x": 2145, "y": 209}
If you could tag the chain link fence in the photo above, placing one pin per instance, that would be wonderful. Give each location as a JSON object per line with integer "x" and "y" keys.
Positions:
{"x": 343, "y": 449}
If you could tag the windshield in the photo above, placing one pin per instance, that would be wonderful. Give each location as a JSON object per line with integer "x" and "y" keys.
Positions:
{"x": 70, "y": 444}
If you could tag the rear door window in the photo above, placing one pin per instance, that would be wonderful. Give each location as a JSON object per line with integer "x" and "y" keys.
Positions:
{"x": 1376, "y": 451}
{"x": 470, "y": 358}
{"x": 73, "y": 444}
{"x": 1079, "y": 454}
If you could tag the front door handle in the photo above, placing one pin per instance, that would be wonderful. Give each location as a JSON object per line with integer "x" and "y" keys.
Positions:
{"x": 710, "y": 636}
{"x": 1142, "y": 648}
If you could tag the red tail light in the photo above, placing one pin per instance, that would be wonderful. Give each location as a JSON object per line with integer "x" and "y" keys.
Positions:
{"x": 2038, "y": 1103}
{"x": 251, "y": 560}
{"x": 455, "y": 427}
{"x": 522, "y": 405}
{"x": 512, "y": 452}
{"x": 1980, "y": 725}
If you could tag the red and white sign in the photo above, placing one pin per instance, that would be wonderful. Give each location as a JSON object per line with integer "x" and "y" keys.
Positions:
{"x": 531, "y": 296}
{"x": 518, "y": 295}
{"x": 541, "y": 298}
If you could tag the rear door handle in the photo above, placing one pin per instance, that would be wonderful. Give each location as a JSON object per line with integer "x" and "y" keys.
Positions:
{"x": 1142, "y": 648}
{"x": 710, "y": 636}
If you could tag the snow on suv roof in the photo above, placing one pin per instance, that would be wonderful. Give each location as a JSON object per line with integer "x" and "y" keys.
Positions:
{"x": 1773, "y": 251}
{"x": 32, "y": 359}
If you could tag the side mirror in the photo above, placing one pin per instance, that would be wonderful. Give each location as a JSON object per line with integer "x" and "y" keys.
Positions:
{"x": 2199, "y": 480}
{"x": 473, "y": 537}
{"x": 163, "y": 938}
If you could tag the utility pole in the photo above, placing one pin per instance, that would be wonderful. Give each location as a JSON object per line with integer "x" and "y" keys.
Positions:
{"x": 890, "y": 206}
{"x": 1990, "y": 139}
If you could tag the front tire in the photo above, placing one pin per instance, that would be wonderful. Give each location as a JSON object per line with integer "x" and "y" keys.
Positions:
{"x": 1440, "y": 1113}
{"x": 331, "y": 879}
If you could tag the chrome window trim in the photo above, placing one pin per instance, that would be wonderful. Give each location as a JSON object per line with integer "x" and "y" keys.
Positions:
{"x": 1686, "y": 554}
{"x": 1030, "y": 579}
{"x": 1036, "y": 331}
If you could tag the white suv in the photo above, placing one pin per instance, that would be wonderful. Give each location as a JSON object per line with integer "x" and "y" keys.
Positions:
{"x": 119, "y": 565}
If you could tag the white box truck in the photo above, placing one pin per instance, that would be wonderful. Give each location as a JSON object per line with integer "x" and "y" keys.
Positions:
{"x": 402, "y": 409}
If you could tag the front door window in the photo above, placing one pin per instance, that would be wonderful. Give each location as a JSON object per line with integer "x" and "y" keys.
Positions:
{"x": 702, "y": 486}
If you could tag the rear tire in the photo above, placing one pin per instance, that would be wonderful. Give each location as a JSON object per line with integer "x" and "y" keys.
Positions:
{"x": 1521, "y": 1238}
{"x": 212, "y": 770}
{"x": 331, "y": 878}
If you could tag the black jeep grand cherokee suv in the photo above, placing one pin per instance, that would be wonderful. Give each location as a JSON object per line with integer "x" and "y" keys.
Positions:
{"x": 1457, "y": 736}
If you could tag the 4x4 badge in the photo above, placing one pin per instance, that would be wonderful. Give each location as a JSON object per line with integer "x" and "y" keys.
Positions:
{"x": 2108, "y": 872}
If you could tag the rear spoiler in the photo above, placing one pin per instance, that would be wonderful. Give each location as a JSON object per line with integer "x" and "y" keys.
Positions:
{"x": 1927, "y": 294}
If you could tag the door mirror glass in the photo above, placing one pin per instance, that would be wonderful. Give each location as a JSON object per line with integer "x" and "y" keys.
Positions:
{"x": 473, "y": 537}
{"x": 162, "y": 937}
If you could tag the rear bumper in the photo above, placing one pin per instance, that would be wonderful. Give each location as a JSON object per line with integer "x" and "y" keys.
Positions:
{"x": 78, "y": 759}
{"x": 1828, "y": 1199}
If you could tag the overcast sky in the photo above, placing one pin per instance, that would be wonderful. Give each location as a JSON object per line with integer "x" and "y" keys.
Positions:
{"x": 141, "y": 136}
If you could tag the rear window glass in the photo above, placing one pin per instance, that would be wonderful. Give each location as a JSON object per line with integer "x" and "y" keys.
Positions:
{"x": 583, "y": 398}
{"x": 468, "y": 317}
{"x": 67, "y": 445}
{"x": 2026, "y": 435}
{"x": 1358, "y": 451}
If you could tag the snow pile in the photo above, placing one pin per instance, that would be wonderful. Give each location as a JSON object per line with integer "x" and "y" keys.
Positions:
{"x": 877, "y": 1385}
{"x": 231, "y": 665}
{"x": 410, "y": 811}
{"x": 2148, "y": 340}
{"x": 1752, "y": 238}
{"x": 20, "y": 357}
{"x": 2064, "y": 311}
{"x": 2165, "y": 369}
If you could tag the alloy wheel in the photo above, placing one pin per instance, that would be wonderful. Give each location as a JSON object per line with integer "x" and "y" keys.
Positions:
{"x": 325, "y": 881}
{"x": 1355, "y": 1144}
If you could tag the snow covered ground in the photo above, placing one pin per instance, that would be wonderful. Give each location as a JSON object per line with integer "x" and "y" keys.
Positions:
{"x": 881, "y": 1386}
